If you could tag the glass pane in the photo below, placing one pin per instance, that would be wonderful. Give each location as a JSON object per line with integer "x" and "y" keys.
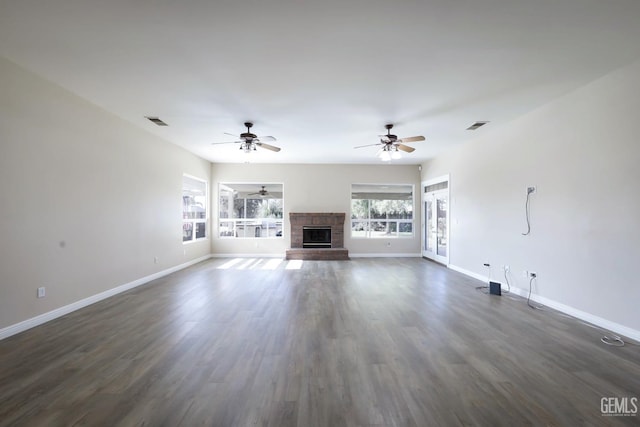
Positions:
{"x": 187, "y": 231}
{"x": 383, "y": 229}
{"x": 249, "y": 228}
{"x": 226, "y": 203}
{"x": 359, "y": 228}
{"x": 442, "y": 225}
{"x": 272, "y": 228}
{"x": 194, "y": 198}
{"x": 253, "y": 208}
{"x": 429, "y": 229}
{"x": 359, "y": 209}
{"x": 406, "y": 229}
{"x": 271, "y": 208}
{"x": 241, "y": 228}
{"x": 238, "y": 207}
{"x": 200, "y": 230}
{"x": 227, "y": 229}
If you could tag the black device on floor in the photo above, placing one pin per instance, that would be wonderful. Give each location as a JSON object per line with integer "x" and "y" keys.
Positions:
{"x": 495, "y": 288}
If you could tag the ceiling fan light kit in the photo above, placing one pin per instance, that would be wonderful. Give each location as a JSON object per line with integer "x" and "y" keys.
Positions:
{"x": 392, "y": 145}
{"x": 248, "y": 147}
{"x": 389, "y": 152}
{"x": 250, "y": 141}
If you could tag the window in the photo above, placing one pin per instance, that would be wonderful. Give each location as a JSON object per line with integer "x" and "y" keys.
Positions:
{"x": 194, "y": 209}
{"x": 381, "y": 210}
{"x": 250, "y": 210}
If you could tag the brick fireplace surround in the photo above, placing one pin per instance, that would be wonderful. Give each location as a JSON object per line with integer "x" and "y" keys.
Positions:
{"x": 328, "y": 219}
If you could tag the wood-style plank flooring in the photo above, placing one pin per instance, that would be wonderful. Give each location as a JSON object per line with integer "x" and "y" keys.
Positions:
{"x": 264, "y": 342}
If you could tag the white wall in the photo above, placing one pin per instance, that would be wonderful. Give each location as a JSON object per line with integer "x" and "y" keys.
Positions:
{"x": 87, "y": 199}
{"x": 583, "y": 154}
{"x": 316, "y": 188}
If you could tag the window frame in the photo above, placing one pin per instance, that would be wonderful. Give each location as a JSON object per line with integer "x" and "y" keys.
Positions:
{"x": 368, "y": 221}
{"x": 233, "y": 236}
{"x": 194, "y": 221}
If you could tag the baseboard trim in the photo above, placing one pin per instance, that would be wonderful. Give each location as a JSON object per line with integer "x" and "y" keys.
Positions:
{"x": 617, "y": 328}
{"x": 469, "y": 273}
{"x": 58, "y": 312}
{"x": 386, "y": 255}
{"x": 582, "y": 315}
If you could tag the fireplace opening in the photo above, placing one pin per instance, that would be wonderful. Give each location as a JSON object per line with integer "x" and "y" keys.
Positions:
{"x": 316, "y": 236}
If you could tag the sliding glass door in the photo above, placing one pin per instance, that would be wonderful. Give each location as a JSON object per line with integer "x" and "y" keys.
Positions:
{"x": 435, "y": 239}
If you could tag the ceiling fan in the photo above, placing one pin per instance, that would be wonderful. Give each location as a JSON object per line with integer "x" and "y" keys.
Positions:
{"x": 249, "y": 141}
{"x": 390, "y": 144}
{"x": 262, "y": 193}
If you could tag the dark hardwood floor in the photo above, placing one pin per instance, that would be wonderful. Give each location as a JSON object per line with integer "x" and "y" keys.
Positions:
{"x": 367, "y": 342}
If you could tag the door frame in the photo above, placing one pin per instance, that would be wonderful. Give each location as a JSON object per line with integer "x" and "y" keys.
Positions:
{"x": 434, "y": 256}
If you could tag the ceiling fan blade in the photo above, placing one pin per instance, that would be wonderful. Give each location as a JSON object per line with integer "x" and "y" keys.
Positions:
{"x": 412, "y": 139}
{"x": 368, "y": 145}
{"x": 405, "y": 148}
{"x": 227, "y": 133}
{"x": 267, "y": 138}
{"x": 226, "y": 142}
{"x": 268, "y": 147}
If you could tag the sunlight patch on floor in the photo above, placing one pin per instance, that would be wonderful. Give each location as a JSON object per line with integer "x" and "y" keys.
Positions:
{"x": 248, "y": 264}
{"x": 227, "y": 265}
{"x": 260, "y": 264}
{"x": 272, "y": 264}
{"x": 294, "y": 264}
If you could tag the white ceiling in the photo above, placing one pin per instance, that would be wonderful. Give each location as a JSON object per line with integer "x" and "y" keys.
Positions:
{"x": 321, "y": 76}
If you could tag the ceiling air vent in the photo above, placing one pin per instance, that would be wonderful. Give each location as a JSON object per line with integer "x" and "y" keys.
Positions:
{"x": 476, "y": 125}
{"x": 156, "y": 121}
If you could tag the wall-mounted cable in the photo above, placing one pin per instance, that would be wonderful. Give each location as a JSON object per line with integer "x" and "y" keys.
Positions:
{"x": 529, "y": 303}
{"x": 506, "y": 279}
{"x": 527, "y": 209}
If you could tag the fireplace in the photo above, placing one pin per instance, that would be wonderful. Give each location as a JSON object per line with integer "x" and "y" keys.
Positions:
{"x": 316, "y": 236}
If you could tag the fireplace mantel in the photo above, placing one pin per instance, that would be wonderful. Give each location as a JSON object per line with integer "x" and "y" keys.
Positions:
{"x": 298, "y": 220}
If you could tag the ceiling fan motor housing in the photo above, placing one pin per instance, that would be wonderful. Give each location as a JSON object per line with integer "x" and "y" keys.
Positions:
{"x": 248, "y": 135}
{"x": 389, "y": 136}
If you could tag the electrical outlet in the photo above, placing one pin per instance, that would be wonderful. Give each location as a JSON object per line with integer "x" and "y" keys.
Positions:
{"x": 41, "y": 292}
{"x": 506, "y": 268}
{"x": 531, "y": 189}
{"x": 525, "y": 273}
{"x": 155, "y": 259}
